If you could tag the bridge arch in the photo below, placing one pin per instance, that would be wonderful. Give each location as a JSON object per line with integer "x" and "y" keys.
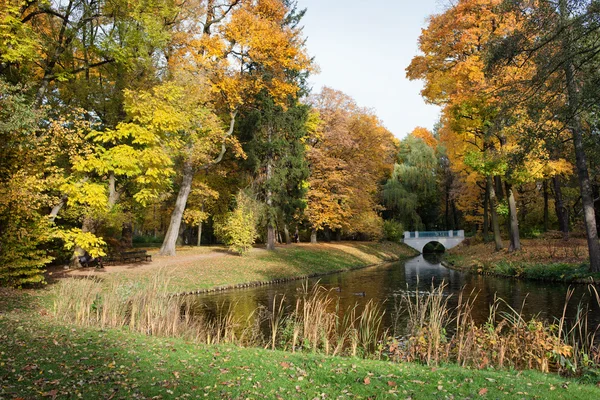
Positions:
{"x": 433, "y": 246}
{"x": 448, "y": 239}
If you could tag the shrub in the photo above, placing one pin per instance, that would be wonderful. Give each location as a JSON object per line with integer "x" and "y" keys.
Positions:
{"x": 393, "y": 231}
{"x": 238, "y": 229}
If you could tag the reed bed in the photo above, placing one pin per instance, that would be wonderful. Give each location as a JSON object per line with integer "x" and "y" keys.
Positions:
{"x": 506, "y": 340}
{"x": 435, "y": 333}
{"x": 147, "y": 309}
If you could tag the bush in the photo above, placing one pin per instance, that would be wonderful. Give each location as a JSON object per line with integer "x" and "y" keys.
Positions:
{"x": 367, "y": 225}
{"x": 238, "y": 228}
{"x": 393, "y": 231}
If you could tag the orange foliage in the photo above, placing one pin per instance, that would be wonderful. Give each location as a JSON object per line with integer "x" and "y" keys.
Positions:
{"x": 349, "y": 155}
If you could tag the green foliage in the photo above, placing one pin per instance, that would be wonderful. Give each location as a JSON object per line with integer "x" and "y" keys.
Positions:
{"x": 274, "y": 139}
{"x": 412, "y": 189}
{"x": 22, "y": 259}
{"x": 17, "y": 40}
{"x": 22, "y": 229}
{"x": 393, "y": 231}
{"x": 502, "y": 208}
{"x": 238, "y": 228}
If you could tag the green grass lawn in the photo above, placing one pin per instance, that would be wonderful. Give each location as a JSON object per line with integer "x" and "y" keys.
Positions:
{"x": 200, "y": 268}
{"x": 40, "y": 358}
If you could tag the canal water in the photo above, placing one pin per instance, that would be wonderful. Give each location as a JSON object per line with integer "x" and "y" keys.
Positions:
{"x": 385, "y": 284}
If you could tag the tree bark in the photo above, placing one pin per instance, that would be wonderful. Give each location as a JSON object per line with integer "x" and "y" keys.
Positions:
{"x": 546, "y": 215}
{"x": 286, "y": 232}
{"x": 515, "y": 240}
{"x": 447, "y": 206}
{"x": 199, "y": 243}
{"x": 486, "y": 222}
{"x": 112, "y": 190}
{"x": 576, "y": 128}
{"x": 56, "y": 209}
{"x": 127, "y": 235}
{"x": 494, "y": 214}
{"x": 170, "y": 242}
{"x": 498, "y": 188}
{"x": 313, "y": 236}
{"x": 270, "y": 213}
{"x": 561, "y": 211}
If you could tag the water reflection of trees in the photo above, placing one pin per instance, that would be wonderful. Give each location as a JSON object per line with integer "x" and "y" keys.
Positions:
{"x": 383, "y": 283}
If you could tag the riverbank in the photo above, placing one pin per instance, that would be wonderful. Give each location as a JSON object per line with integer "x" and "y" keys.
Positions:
{"x": 201, "y": 269}
{"x": 552, "y": 260}
{"x": 41, "y": 357}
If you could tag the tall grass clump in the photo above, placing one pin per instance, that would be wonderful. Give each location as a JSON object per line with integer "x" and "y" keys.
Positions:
{"x": 438, "y": 333}
{"x": 315, "y": 325}
{"x": 146, "y": 308}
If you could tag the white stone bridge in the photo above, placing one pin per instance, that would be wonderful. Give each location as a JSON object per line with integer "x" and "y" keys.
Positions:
{"x": 448, "y": 239}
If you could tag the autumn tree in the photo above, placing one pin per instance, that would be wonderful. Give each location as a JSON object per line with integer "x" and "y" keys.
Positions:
{"x": 558, "y": 42}
{"x": 350, "y": 153}
{"x": 244, "y": 48}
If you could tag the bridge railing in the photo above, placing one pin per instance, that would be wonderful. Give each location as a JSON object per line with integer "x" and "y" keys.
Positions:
{"x": 433, "y": 234}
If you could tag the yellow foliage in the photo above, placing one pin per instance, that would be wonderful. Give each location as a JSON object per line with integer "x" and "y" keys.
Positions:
{"x": 87, "y": 241}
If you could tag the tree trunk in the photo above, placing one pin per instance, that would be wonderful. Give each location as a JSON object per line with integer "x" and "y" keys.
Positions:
{"x": 286, "y": 233}
{"x": 199, "y": 243}
{"x": 494, "y": 214}
{"x": 270, "y": 222}
{"x": 454, "y": 215}
{"x": 338, "y": 235}
{"x": 447, "y": 207}
{"x": 56, "y": 209}
{"x": 498, "y": 188}
{"x": 486, "y": 222}
{"x": 515, "y": 240}
{"x": 313, "y": 236}
{"x": 561, "y": 211}
{"x": 127, "y": 235}
{"x": 574, "y": 125}
{"x": 86, "y": 226}
{"x": 546, "y": 215}
{"x": 170, "y": 242}
{"x": 270, "y": 237}
{"x": 112, "y": 190}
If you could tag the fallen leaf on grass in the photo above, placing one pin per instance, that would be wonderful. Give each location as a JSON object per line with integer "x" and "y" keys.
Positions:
{"x": 51, "y": 393}
{"x": 392, "y": 383}
{"x": 483, "y": 391}
{"x": 284, "y": 365}
{"x": 367, "y": 380}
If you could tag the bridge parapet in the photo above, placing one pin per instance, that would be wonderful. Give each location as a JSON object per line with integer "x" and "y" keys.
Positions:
{"x": 433, "y": 234}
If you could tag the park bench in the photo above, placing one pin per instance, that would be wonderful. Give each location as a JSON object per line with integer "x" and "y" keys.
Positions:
{"x": 129, "y": 256}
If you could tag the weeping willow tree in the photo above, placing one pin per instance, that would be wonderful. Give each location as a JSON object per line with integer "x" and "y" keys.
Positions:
{"x": 411, "y": 191}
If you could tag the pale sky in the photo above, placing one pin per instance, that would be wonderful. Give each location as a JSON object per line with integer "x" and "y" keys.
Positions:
{"x": 363, "y": 47}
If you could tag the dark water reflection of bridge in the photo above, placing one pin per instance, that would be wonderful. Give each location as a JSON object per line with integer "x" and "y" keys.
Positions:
{"x": 384, "y": 284}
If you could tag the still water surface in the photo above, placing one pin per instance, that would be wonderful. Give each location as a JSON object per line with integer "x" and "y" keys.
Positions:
{"x": 386, "y": 283}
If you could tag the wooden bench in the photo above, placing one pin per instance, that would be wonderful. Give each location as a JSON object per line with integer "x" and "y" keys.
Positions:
{"x": 128, "y": 256}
